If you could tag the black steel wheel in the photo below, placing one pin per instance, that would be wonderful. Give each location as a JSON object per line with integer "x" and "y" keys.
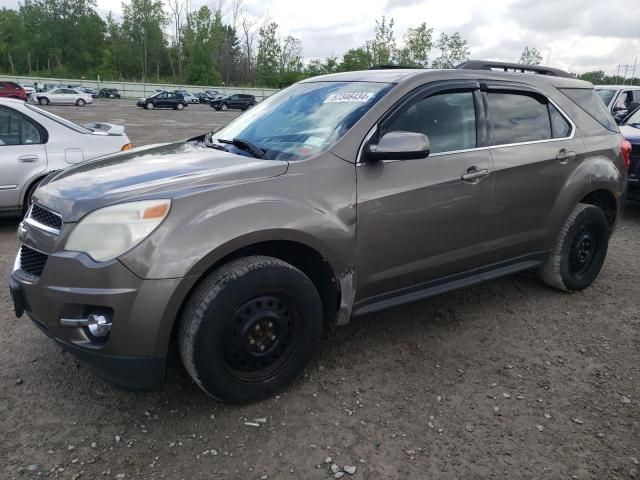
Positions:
{"x": 250, "y": 328}
{"x": 580, "y": 250}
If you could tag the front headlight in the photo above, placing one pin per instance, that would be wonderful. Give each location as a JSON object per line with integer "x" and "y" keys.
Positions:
{"x": 109, "y": 232}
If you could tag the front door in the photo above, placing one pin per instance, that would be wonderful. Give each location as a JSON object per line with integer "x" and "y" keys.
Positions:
{"x": 422, "y": 220}
{"x": 22, "y": 156}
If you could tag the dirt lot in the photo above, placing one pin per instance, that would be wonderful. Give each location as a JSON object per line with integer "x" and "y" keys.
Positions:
{"x": 505, "y": 380}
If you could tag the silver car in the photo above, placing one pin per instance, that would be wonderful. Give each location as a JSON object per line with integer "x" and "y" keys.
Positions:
{"x": 34, "y": 143}
{"x": 63, "y": 96}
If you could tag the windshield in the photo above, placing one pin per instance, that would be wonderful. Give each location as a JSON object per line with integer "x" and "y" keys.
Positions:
{"x": 60, "y": 120}
{"x": 606, "y": 95}
{"x": 633, "y": 119}
{"x": 304, "y": 119}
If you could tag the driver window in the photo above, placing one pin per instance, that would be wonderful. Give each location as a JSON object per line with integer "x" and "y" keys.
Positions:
{"x": 447, "y": 119}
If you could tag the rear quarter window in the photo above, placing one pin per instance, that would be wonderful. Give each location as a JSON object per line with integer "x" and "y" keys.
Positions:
{"x": 589, "y": 101}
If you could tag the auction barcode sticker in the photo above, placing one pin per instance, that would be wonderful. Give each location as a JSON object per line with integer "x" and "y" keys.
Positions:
{"x": 361, "y": 97}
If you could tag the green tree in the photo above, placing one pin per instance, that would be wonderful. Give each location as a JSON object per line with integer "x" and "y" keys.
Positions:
{"x": 269, "y": 55}
{"x": 356, "y": 59}
{"x": 383, "y": 48}
{"x": 530, "y": 56}
{"x": 418, "y": 44}
{"x": 203, "y": 37}
{"x": 143, "y": 22}
{"x": 453, "y": 50}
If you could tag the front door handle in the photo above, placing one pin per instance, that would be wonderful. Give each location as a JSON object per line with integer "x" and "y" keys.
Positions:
{"x": 28, "y": 159}
{"x": 474, "y": 174}
{"x": 565, "y": 155}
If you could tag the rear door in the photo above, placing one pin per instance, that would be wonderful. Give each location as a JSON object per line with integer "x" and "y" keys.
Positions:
{"x": 534, "y": 150}
{"x": 22, "y": 156}
{"x": 422, "y": 220}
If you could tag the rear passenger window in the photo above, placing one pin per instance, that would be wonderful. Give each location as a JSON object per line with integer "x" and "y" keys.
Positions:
{"x": 448, "y": 120}
{"x": 560, "y": 127}
{"x": 518, "y": 118}
{"x": 17, "y": 130}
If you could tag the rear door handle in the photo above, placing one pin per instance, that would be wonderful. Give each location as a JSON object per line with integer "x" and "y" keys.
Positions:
{"x": 565, "y": 155}
{"x": 474, "y": 174}
{"x": 28, "y": 159}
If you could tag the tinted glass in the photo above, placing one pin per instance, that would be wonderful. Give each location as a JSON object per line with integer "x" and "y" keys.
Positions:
{"x": 589, "y": 101}
{"x": 30, "y": 133}
{"x": 518, "y": 118}
{"x": 560, "y": 127}
{"x": 9, "y": 128}
{"x": 448, "y": 120}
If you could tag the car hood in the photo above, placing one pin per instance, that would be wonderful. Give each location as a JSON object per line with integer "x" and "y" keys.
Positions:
{"x": 631, "y": 133}
{"x": 157, "y": 171}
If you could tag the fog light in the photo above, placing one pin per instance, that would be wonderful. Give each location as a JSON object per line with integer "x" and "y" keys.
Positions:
{"x": 99, "y": 325}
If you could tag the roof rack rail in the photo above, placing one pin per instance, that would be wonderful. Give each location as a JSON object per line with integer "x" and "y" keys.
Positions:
{"x": 512, "y": 67}
{"x": 392, "y": 67}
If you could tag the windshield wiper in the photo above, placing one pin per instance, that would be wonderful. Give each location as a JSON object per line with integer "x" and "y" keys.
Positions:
{"x": 246, "y": 145}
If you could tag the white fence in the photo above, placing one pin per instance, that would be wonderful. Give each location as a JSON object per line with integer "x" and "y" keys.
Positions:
{"x": 136, "y": 90}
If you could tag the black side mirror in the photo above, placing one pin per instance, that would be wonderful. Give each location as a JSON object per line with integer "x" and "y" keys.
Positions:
{"x": 398, "y": 145}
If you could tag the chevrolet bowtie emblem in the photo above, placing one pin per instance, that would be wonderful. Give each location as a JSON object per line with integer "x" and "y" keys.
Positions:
{"x": 21, "y": 231}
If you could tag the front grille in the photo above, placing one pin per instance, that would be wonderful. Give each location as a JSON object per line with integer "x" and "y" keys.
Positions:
{"x": 45, "y": 217}
{"x": 634, "y": 168}
{"x": 32, "y": 261}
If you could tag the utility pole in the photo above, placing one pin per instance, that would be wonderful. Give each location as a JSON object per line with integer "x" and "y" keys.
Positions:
{"x": 627, "y": 68}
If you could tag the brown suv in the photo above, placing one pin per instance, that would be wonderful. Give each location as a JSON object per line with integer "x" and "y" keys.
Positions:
{"x": 339, "y": 196}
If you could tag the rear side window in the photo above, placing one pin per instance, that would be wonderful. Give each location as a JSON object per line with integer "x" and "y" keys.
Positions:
{"x": 447, "y": 119}
{"x": 560, "y": 127}
{"x": 589, "y": 101}
{"x": 15, "y": 129}
{"x": 518, "y": 117}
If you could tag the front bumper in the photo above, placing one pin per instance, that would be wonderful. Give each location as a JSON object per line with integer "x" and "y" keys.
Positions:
{"x": 142, "y": 314}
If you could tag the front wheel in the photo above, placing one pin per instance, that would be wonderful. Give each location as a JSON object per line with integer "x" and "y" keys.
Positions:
{"x": 43, "y": 101}
{"x": 224, "y": 107}
{"x": 580, "y": 250}
{"x": 250, "y": 329}
{"x": 149, "y": 106}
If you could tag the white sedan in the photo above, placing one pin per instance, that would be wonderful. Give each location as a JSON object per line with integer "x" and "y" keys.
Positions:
{"x": 62, "y": 96}
{"x": 35, "y": 142}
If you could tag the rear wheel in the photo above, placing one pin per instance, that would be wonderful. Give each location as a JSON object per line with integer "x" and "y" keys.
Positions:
{"x": 149, "y": 106}
{"x": 580, "y": 250}
{"x": 250, "y": 328}
{"x": 81, "y": 102}
{"x": 180, "y": 106}
{"x": 43, "y": 101}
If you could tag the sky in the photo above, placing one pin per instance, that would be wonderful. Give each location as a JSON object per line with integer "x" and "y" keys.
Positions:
{"x": 576, "y": 35}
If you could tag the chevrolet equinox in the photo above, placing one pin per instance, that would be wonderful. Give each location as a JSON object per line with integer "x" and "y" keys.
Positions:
{"x": 339, "y": 196}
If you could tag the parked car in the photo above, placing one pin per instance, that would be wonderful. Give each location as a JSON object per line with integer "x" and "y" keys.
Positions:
{"x": 190, "y": 98}
{"x": 202, "y": 97}
{"x": 163, "y": 100}
{"x": 630, "y": 128}
{"x": 236, "y": 101}
{"x": 28, "y": 89}
{"x": 35, "y": 142}
{"x": 341, "y": 195}
{"x": 90, "y": 91}
{"x": 62, "y": 96}
{"x": 109, "y": 93}
{"x": 619, "y": 99}
{"x": 12, "y": 90}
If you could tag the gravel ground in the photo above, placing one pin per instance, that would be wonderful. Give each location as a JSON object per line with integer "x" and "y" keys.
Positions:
{"x": 509, "y": 379}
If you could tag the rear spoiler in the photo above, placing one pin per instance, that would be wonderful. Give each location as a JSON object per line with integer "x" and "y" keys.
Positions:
{"x": 108, "y": 128}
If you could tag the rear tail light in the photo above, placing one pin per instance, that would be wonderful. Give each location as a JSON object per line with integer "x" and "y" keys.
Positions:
{"x": 625, "y": 150}
{"x": 128, "y": 146}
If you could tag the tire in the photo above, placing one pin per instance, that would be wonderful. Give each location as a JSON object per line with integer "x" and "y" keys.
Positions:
{"x": 149, "y": 106}
{"x": 250, "y": 328}
{"x": 81, "y": 102}
{"x": 43, "y": 101}
{"x": 28, "y": 198}
{"x": 580, "y": 250}
{"x": 224, "y": 107}
{"x": 180, "y": 107}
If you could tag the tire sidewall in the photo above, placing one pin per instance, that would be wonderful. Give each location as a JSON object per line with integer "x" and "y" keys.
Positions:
{"x": 596, "y": 217}
{"x": 215, "y": 378}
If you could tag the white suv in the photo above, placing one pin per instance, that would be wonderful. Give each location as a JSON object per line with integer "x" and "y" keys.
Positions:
{"x": 621, "y": 100}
